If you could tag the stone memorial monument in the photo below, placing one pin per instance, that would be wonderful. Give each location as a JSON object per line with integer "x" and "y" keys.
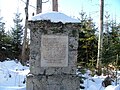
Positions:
{"x": 53, "y": 52}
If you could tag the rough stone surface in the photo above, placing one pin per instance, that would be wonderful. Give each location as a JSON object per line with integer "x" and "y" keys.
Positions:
{"x": 54, "y": 82}
{"x": 52, "y": 78}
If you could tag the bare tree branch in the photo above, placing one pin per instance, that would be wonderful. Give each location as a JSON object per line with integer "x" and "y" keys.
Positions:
{"x": 29, "y": 5}
{"x": 23, "y": 1}
{"x": 45, "y": 1}
{"x": 32, "y": 6}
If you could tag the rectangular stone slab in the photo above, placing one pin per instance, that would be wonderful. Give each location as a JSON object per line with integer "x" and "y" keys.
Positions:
{"x": 54, "y": 51}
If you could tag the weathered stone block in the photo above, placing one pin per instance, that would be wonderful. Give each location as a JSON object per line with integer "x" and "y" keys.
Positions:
{"x": 54, "y": 82}
{"x": 49, "y": 75}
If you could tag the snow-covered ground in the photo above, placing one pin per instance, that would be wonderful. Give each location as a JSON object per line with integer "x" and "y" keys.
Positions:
{"x": 95, "y": 83}
{"x": 13, "y": 77}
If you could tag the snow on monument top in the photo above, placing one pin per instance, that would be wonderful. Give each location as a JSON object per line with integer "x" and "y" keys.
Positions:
{"x": 54, "y": 17}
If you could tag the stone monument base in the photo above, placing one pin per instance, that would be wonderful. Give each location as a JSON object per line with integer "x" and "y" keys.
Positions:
{"x": 53, "y": 82}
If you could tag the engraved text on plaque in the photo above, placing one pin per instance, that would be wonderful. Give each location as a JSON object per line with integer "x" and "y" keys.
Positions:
{"x": 54, "y": 51}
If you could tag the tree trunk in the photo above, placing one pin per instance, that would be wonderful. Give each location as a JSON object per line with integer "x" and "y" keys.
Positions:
{"x": 25, "y": 35}
{"x": 55, "y": 5}
{"x": 39, "y": 6}
{"x": 99, "y": 57}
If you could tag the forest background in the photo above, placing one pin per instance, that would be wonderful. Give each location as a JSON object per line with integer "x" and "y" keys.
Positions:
{"x": 11, "y": 38}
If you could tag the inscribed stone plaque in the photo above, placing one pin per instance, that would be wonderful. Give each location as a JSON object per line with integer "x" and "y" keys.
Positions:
{"x": 54, "y": 51}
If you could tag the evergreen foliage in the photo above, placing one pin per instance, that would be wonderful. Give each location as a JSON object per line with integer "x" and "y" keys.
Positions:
{"x": 2, "y": 35}
{"x": 11, "y": 43}
{"x": 17, "y": 32}
{"x": 111, "y": 44}
{"x": 87, "y": 49}
{"x": 5, "y": 42}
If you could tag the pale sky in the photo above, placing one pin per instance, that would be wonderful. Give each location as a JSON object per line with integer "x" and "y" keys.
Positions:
{"x": 69, "y": 7}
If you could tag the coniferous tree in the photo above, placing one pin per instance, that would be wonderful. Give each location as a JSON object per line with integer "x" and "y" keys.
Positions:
{"x": 17, "y": 32}
{"x": 2, "y": 30}
{"x": 87, "y": 49}
{"x": 111, "y": 44}
{"x": 2, "y": 35}
{"x": 5, "y": 42}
